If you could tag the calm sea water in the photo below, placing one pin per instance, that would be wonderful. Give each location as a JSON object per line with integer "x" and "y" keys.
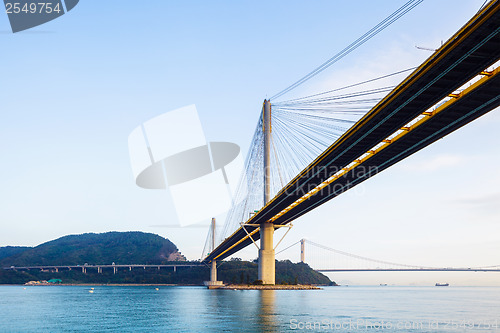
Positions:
{"x": 196, "y": 309}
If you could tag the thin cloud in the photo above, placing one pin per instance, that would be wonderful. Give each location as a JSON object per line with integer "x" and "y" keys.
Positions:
{"x": 484, "y": 200}
{"x": 435, "y": 163}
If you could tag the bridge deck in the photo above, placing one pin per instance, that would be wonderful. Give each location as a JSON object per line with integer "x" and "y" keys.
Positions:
{"x": 472, "y": 49}
{"x": 97, "y": 266}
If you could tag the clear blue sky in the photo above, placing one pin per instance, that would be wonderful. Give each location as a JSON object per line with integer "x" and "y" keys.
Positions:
{"x": 73, "y": 89}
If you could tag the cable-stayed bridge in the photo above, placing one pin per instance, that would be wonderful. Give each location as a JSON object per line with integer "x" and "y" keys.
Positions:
{"x": 306, "y": 151}
{"x": 323, "y": 258}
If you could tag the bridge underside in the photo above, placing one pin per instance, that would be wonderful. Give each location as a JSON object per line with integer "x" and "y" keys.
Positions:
{"x": 471, "y": 50}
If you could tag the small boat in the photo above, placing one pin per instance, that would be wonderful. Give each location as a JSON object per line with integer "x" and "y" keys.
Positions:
{"x": 383, "y": 284}
{"x": 91, "y": 291}
{"x": 157, "y": 288}
{"x": 91, "y": 288}
{"x": 442, "y": 284}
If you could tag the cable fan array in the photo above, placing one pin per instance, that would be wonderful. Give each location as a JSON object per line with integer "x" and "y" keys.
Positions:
{"x": 297, "y": 138}
{"x": 209, "y": 246}
{"x": 249, "y": 194}
{"x": 301, "y": 129}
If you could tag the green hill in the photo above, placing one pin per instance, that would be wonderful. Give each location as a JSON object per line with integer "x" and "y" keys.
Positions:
{"x": 132, "y": 248}
{"x": 8, "y": 251}
{"x": 106, "y": 248}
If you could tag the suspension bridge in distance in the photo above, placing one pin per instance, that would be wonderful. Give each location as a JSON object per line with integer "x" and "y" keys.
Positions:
{"x": 453, "y": 87}
{"x": 340, "y": 261}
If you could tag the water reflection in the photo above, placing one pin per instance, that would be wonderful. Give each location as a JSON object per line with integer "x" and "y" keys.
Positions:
{"x": 197, "y": 309}
{"x": 266, "y": 310}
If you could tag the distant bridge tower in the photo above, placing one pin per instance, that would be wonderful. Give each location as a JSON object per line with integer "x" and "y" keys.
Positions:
{"x": 302, "y": 250}
{"x": 266, "y": 252}
{"x": 213, "y": 268}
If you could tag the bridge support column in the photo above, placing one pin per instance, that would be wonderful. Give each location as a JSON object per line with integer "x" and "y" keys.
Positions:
{"x": 213, "y": 271}
{"x": 266, "y": 252}
{"x": 213, "y": 283}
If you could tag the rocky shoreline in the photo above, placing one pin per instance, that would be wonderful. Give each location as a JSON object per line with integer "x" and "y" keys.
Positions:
{"x": 267, "y": 287}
